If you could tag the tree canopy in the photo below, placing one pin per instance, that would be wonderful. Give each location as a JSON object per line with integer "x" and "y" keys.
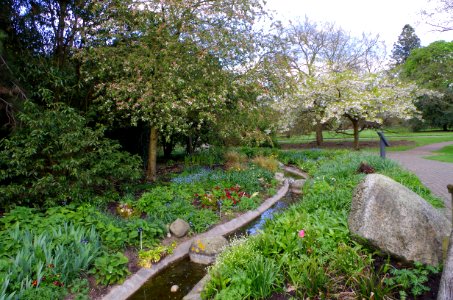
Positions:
{"x": 431, "y": 67}
{"x": 407, "y": 41}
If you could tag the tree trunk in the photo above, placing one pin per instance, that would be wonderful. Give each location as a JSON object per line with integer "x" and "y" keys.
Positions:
{"x": 189, "y": 145}
{"x": 319, "y": 137}
{"x": 151, "y": 170}
{"x": 445, "y": 127}
{"x": 355, "y": 125}
{"x": 168, "y": 148}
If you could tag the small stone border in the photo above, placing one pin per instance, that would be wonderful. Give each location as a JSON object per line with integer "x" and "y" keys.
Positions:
{"x": 132, "y": 284}
{"x": 195, "y": 293}
{"x": 296, "y": 171}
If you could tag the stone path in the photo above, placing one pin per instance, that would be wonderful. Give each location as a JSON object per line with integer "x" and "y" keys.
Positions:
{"x": 435, "y": 175}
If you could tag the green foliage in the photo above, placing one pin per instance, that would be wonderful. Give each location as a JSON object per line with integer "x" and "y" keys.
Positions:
{"x": 154, "y": 255}
{"x": 431, "y": 67}
{"x": 310, "y": 241}
{"x": 44, "y": 293}
{"x": 164, "y": 204}
{"x": 412, "y": 279}
{"x": 54, "y": 158}
{"x": 206, "y": 157}
{"x": 115, "y": 233}
{"x": 110, "y": 268}
{"x": 45, "y": 261}
{"x": 407, "y": 41}
{"x": 371, "y": 284}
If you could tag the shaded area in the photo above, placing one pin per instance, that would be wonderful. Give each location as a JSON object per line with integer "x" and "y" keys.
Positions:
{"x": 184, "y": 273}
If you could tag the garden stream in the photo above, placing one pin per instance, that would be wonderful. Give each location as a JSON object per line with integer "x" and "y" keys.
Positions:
{"x": 187, "y": 274}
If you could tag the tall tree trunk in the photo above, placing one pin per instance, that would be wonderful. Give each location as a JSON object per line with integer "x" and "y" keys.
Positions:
{"x": 151, "y": 170}
{"x": 189, "y": 145}
{"x": 445, "y": 127}
{"x": 60, "y": 50}
{"x": 319, "y": 137}
{"x": 168, "y": 148}
{"x": 355, "y": 125}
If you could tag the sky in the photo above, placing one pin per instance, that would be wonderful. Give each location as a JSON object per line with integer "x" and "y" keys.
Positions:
{"x": 384, "y": 17}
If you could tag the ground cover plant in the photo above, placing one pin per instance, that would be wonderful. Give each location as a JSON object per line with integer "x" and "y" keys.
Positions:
{"x": 52, "y": 252}
{"x": 195, "y": 195}
{"x": 307, "y": 252}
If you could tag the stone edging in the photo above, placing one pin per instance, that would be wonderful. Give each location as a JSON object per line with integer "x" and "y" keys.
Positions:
{"x": 295, "y": 171}
{"x": 132, "y": 284}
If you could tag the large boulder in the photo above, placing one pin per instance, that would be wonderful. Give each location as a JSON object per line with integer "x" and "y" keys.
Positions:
{"x": 297, "y": 185}
{"x": 205, "y": 249}
{"x": 397, "y": 221}
{"x": 179, "y": 228}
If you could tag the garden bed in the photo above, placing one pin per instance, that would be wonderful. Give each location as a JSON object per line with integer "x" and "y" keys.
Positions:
{"x": 307, "y": 252}
{"x": 109, "y": 240}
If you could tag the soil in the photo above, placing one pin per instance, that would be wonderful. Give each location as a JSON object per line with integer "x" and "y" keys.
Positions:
{"x": 97, "y": 291}
{"x": 344, "y": 145}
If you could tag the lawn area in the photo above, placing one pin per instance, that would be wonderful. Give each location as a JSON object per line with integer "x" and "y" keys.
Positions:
{"x": 445, "y": 154}
{"x": 419, "y": 138}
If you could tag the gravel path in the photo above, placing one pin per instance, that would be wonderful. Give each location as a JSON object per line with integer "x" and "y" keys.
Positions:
{"x": 435, "y": 175}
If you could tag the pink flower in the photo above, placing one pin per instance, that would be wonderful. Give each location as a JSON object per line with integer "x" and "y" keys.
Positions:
{"x": 301, "y": 233}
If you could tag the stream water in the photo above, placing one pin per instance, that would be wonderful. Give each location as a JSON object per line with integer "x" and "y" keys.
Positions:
{"x": 186, "y": 274}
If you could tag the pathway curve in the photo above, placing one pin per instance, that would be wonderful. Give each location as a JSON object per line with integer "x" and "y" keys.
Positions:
{"x": 435, "y": 175}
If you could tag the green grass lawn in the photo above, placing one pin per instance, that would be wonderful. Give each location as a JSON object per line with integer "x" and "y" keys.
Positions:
{"x": 419, "y": 138}
{"x": 445, "y": 154}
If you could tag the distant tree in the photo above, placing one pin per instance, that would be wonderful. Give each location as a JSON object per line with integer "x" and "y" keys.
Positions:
{"x": 315, "y": 49}
{"x": 407, "y": 41}
{"x": 431, "y": 67}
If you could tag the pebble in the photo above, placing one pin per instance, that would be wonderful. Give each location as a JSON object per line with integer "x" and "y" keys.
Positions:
{"x": 169, "y": 234}
{"x": 174, "y": 288}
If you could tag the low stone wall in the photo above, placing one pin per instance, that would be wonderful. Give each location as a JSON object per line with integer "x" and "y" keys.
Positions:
{"x": 132, "y": 284}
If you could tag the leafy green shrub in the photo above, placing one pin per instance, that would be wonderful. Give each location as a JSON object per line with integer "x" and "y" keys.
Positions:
{"x": 54, "y": 158}
{"x": 110, "y": 268}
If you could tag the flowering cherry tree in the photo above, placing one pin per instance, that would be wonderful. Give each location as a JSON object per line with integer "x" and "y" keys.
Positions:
{"x": 355, "y": 96}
